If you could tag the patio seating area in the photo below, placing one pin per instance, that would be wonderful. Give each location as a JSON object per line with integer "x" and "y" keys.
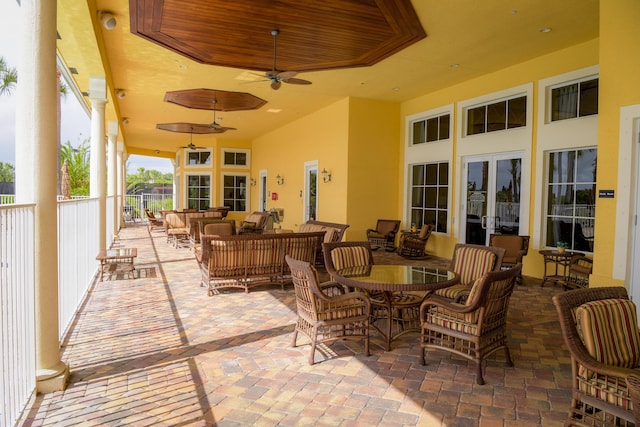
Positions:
{"x": 156, "y": 350}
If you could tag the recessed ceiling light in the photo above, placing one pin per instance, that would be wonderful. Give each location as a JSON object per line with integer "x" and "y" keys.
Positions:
{"x": 545, "y": 30}
{"x": 274, "y": 110}
{"x": 454, "y": 65}
{"x": 395, "y": 89}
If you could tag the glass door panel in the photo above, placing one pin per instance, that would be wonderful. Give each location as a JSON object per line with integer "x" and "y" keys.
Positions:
{"x": 493, "y": 197}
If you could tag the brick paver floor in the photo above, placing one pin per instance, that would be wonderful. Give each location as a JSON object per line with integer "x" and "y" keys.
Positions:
{"x": 157, "y": 351}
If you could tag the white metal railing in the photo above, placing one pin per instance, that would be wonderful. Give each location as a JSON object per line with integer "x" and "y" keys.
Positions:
{"x": 17, "y": 310}
{"x": 135, "y": 204}
{"x": 77, "y": 249}
{"x": 7, "y": 199}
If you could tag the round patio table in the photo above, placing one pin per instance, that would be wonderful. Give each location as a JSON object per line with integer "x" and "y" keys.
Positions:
{"x": 397, "y": 292}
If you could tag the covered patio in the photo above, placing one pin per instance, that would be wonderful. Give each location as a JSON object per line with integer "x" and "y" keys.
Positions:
{"x": 156, "y": 350}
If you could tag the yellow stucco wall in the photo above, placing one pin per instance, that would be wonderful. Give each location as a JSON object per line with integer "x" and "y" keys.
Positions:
{"x": 576, "y": 57}
{"x": 321, "y": 136}
{"x": 619, "y": 87}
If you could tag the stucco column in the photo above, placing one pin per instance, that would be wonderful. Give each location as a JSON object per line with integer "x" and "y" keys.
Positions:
{"x": 112, "y": 189}
{"x": 120, "y": 184}
{"x": 98, "y": 173}
{"x": 36, "y": 179}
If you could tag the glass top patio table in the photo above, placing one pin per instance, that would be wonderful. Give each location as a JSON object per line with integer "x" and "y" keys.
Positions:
{"x": 396, "y": 291}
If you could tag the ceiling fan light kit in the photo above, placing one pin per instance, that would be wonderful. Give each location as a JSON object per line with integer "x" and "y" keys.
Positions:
{"x": 277, "y": 77}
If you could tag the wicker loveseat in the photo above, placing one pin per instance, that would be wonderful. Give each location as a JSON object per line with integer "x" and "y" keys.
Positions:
{"x": 247, "y": 260}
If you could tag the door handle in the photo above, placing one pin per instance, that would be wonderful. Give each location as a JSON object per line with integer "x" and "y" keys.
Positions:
{"x": 483, "y": 222}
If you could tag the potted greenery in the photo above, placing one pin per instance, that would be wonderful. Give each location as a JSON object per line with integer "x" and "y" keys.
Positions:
{"x": 561, "y": 246}
{"x": 414, "y": 228}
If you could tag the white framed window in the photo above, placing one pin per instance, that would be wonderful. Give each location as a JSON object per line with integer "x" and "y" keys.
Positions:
{"x": 234, "y": 190}
{"x": 237, "y": 158}
{"x": 505, "y": 114}
{"x": 430, "y": 129}
{"x": 571, "y": 198}
{"x": 429, "y": 195}
{"x": 198, "y": 157}
{"x": 575, "y": 99}
{"x": 198, "y": 191}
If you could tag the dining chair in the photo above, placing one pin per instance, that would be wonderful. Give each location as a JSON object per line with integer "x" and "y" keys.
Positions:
{"x": 471, "y": 262}
{"x": 323, "y": 318}
{"x": 474, "y": 329}
{"x": 600, "y": 329}
{"x": 397, "y": 308}
{"x": 152, "y": 221}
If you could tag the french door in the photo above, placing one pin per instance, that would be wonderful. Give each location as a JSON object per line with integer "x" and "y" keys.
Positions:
{"x": 493, "y": 194}
{"x": 310, "y": 190}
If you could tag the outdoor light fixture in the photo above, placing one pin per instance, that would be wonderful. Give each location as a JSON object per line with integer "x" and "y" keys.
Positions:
{"x": 252, "y": 182}
{"x": 279, "y": 180}
{"x": 125, "y": 121}
{"x": 108, "y": 20}
{"x": 326, "y": 176}
{"x": 120, "y": 93}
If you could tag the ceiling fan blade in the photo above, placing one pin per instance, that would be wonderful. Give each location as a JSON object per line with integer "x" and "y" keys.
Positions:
{"x": 295, "y": 81}
{"x": 286, "y": 75}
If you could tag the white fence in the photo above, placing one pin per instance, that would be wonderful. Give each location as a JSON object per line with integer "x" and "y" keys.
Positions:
{"x": 78, "y": 243}
{"x": 135, "y": 204}
{"x": 17, "y": 310}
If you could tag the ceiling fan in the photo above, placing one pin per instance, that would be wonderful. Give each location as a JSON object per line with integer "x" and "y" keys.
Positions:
{"x": 215, "y": 125}
{"x": 277, "y": 77}
{"x": 191, "y": 145}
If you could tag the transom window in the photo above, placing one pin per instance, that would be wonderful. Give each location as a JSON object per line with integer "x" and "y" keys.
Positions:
{"x": 199, "y": 158}
{"x": 430, "y": 195}
{"x": 431, "y": 129}
{"x": 198, "y": 192}
{"x": 236, "y": 157}
{"x": 235, "y": 192}
{"x": 574, "y": 100}
{"x": 571, "y": 198}
{"x": 501, "y": 115}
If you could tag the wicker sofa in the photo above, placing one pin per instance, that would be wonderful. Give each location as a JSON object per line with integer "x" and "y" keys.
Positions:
{"x": 247, "y": 260}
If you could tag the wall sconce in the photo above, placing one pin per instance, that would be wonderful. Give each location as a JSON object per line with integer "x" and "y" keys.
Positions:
{"x": 326, "y": 176}
{"x": 279, "y": 180}
{"x": 108, "y": 20}
{"x": 125, "y": 120}
{"x": 252, "y": 182}
{"x": 121, "y": 94}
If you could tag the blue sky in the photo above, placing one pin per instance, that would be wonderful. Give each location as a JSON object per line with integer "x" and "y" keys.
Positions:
{"x": 76, "y": 124}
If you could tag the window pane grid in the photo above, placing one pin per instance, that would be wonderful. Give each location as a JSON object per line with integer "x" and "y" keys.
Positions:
{"x": 574, "y": 100}
{"x": 235, "y": 192}
{"x": 497, "y": 116}
{"x": 198, "y": 191}
{"x": 431, "y": 129}
{"x": 571, "y": 192}
{"x": 429, "y": 195}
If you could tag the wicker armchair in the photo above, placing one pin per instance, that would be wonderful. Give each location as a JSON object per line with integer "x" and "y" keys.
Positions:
{"x": 384, "y": 235}
{"x": 633, "y": 384}
{"x": 152, "y": 221}
{"x": 475, "y": 329}
{"x": 471, "y": 262}
{"x": 516, "y": 247}
{"x": 413, "y": 245}
{"x": 255, "y": 223}
{"x": 600, "y": 328}
{"x": 323, "y": 318}
{"x": 579, "y": 270}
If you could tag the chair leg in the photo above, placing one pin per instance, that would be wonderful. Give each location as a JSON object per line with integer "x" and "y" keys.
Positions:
{"x": 479, "y": 377}
{"x": 507, "y": 355}
{"x": 295, "y": 337}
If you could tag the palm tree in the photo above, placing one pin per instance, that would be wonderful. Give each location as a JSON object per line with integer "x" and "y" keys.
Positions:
{"x": 77, "y": 160}
{"x": 8, "y": 78}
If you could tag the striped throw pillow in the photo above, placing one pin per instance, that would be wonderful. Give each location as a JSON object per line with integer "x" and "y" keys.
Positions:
{"x": 349, "y": 256}
{"x": 609, "y": 330}
{"x": 472, "y": 263}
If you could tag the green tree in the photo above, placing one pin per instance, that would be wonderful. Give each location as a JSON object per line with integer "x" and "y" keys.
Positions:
{"x": 7, "y": 172}
{"x": 8, "y": 78}
{"x": 78, "y": 162}
{"x": 144, "y": 181}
